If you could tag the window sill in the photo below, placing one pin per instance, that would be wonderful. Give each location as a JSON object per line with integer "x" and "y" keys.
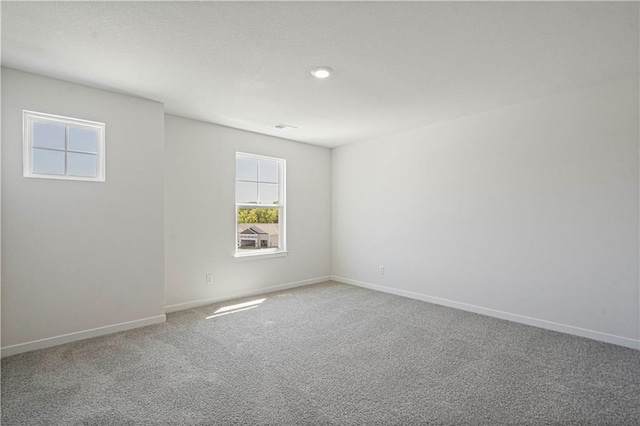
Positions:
{"x": 63, "y": 177}
{"x": 259, "y": 256}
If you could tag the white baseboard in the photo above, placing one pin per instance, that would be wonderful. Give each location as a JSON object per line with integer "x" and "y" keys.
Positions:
{"x": 549, "y": 325}
{"x": 80, "y": 335}
{"x": 203, "y": 302}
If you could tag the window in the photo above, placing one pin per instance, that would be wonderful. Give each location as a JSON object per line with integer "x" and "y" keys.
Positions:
{"x": 57, "y": 147}
{"x": 260, "y": 205}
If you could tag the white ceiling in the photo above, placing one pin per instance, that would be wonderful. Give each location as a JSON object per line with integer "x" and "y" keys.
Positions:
{"x": 397, "y": 65}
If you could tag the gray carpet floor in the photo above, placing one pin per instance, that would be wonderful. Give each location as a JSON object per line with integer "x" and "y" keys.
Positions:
{"x": 326, "y": 354}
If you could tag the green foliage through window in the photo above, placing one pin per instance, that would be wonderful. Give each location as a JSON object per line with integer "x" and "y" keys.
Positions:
{"x": 257, "y": 215}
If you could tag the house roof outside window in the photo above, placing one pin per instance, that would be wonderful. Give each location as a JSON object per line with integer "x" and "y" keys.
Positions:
{"x": 258, "y": 228}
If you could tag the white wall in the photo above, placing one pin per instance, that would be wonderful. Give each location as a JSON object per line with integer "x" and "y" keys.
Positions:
{"x": 530, "y": 210}
{"x": 200, "y": 213}
{"x": 76, "y": 255}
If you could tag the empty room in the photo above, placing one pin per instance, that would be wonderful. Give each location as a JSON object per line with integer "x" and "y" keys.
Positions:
{"x": 338, "y": 213}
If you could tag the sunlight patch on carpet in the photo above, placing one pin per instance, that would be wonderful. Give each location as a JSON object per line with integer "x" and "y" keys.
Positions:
{"x": 239, "y": 307}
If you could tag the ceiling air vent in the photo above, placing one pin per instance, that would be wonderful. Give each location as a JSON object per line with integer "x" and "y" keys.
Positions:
{"x": 285, "y": 126}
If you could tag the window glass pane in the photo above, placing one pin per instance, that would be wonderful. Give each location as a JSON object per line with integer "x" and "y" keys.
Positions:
{"x": 85, "y": 165}
{"x": 268, "y": 171}
{"x": 268, "y": 193}
{"x": 47, "y": 161}
{"x": 48, "y": 135}
{"x": 246, "y": 169}
{"x": 85, "y": 140}
{"x": 258, "y": 228}
{"x": 246, "y": 192}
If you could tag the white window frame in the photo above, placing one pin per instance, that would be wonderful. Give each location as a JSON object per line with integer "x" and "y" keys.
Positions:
{"x": 31, "y": 117}
{"x": 282, "y": 206}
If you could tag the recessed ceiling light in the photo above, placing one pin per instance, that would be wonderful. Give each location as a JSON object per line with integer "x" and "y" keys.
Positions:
{"x": 321, "y": 72}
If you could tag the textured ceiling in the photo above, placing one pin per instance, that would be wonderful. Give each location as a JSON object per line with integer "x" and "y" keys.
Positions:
{"x": 397, "y": 65}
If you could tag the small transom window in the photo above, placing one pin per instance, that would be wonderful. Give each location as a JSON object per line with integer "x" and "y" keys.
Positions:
{"x": 56, "y": 147}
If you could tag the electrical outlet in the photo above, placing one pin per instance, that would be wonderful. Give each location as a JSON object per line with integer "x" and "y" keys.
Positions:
{"x": 381, "y": 270}
{"x": 209, "y": 279}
